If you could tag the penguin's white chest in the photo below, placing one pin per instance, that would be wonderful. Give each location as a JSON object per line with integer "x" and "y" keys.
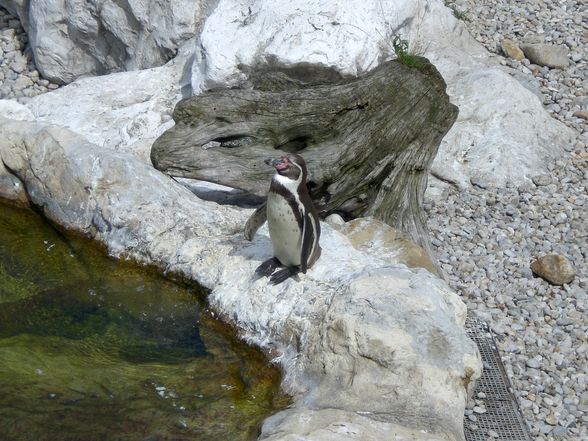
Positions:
{"x": 284, "y": 230}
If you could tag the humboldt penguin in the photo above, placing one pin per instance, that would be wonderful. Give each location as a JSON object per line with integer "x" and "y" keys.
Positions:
{"x": 292, "y": 219}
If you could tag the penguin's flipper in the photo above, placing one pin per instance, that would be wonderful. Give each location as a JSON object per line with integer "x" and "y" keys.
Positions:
{"x": 283, "y": 274}
{"x": 255, "y": 221}
{"x": 267, "y": 267}
{"x": 307, "y": 242}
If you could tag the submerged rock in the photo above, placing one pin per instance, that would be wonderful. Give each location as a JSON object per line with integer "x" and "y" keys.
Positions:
{"x": 381, "y": 343}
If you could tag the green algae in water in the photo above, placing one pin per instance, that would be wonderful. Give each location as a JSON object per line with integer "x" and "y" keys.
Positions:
{"x": 95, "y": 349}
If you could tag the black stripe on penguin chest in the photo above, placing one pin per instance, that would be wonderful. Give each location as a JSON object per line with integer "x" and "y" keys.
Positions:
{"x": 279, "y": 212}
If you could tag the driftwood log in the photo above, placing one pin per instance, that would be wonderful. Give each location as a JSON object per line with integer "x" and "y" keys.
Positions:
{"x": 368, "y": 142}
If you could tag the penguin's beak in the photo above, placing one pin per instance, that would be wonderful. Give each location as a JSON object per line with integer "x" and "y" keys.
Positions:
{"x": 277, "y": 163}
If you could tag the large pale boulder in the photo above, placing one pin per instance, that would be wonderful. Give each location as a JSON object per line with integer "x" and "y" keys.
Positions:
{"x": 353, "y": 37}
{"x": 124, "y": 111}
{"x": 11, "y": 188}
{"x": 74, "y": 38}
{"x": 369, "y": 350}
{"x": 502, "y": 134}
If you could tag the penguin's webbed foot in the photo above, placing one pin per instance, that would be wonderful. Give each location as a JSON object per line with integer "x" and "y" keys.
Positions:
{"x": 267, "y": 268}
{"x": 283, "y": 274}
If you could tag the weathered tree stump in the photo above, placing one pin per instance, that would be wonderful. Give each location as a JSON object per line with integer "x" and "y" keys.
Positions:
{"x": 368, "y": 142}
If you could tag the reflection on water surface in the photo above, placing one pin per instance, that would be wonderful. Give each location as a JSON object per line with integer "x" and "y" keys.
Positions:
{"x": 92, "y": 349}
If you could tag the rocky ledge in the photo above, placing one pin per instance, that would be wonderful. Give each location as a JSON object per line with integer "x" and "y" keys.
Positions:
{"x": 101, "y": 165}
{"x": 369, "y": 348}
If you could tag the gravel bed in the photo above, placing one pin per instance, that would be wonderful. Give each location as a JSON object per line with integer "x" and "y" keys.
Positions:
{"x": 19, "y": 79}
{"x": 487, "y": 238}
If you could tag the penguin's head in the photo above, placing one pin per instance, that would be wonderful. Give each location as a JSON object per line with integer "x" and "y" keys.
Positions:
{"x": 291, "y": 166}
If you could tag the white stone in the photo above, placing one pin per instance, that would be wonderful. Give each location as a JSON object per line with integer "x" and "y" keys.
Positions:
{"x": 74, "y": 38}
{"x": 22, "y": 82}
{"x": 352, "y": 38}
{"x": 502, "y": 133}
{"x": 125, "y": 111}
{"x": 19, "y": 64}
{"x": 11, "y": 187}
{"x": 14, "y": 110}
{"x": 335, "y": 220}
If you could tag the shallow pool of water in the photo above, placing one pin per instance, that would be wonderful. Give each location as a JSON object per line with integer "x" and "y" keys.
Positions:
{"x": 95, "y": 349}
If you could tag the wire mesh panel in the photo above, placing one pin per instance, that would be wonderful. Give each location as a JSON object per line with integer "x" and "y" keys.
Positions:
{"x": 502, "y": 419}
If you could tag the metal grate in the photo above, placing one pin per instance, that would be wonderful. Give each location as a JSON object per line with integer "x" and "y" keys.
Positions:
{"x": 503, "y": 416}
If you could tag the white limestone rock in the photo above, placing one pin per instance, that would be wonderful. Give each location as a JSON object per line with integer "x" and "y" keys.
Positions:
{"x": 354, "y": 334}
{"x": 124, "y": 111}
{"x": 11, "y": 188}
{"x": 502, "y": 133}
{"x": 11, "y": 109}
{"x": 353, "y": 38}
{"x": 337, "y": 425}
{"x": 376, "y": 237}
{"x": 75, "y": 38}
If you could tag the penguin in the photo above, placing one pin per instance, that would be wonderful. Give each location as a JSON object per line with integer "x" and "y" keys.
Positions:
{"x": 292, "y": 219}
